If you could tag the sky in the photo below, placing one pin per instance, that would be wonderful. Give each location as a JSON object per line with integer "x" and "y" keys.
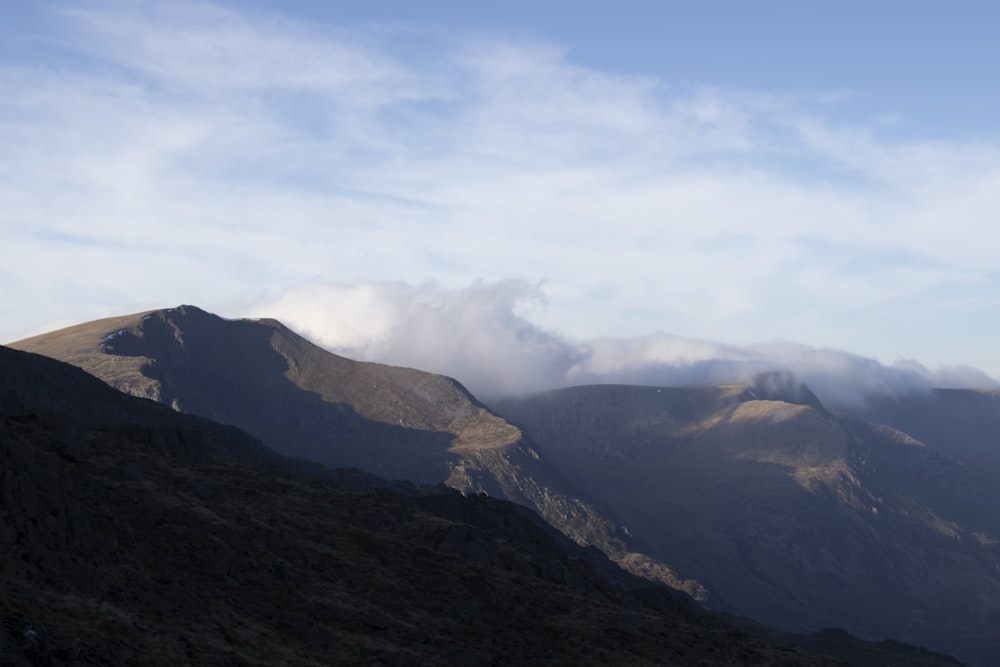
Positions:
{"x": 519, "y": 195}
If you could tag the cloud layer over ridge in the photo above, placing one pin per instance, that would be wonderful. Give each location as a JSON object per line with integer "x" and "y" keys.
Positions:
{"x": 190, "y": 152}
{"x": 483, "y": 336}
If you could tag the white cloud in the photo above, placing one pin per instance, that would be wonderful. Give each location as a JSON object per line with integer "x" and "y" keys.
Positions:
{"x": 198, "y": 48}
{"x": 202, "y": 153}
{"x": 479, "y": 334}
{"x": 483, "y": 335}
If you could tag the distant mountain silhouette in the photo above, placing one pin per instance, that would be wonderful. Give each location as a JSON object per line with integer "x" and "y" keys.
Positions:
{"x": 132, "y": 534}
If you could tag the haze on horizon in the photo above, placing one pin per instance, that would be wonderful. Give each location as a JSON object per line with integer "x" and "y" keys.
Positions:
{"x": 548, "y": 195}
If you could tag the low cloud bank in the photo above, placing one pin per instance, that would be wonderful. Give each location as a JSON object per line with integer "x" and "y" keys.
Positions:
{"x": 838, "y": 378}
{"x": 482, "y": 336}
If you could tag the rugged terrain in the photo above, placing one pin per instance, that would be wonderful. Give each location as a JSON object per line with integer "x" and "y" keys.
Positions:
{"x": 133, "y": 535}
{"x": 785, "y": 512}
{"x": 962, "y": 423}
{"x": 303, "y": 401}
{"x": 756, "y": 499}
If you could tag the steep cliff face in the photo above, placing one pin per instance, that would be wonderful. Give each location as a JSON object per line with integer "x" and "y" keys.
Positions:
{"x": 519, "y": 474}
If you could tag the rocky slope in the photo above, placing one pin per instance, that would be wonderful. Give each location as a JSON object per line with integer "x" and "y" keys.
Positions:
{"x": 962, "y": 423}
{"x": 303, "y": 401}
{"x": 786, "y": 513}
{"x": 132, "y": 535}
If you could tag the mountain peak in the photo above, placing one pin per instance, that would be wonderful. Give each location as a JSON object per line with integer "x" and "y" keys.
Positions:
{"x": 260, "y": 374}
{"x": 786, "y": 387}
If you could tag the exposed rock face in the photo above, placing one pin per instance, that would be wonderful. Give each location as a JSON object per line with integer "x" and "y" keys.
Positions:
{"x": 303, "y": 401}
{"x": 786, "y": 513}
{"x": 129, "y": 540}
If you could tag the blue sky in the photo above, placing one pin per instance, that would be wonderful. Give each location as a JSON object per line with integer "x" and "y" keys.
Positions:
{"x": 674, "y": 183}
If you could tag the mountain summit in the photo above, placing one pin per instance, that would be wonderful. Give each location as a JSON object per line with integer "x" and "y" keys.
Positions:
{"x": 298, "y": 398}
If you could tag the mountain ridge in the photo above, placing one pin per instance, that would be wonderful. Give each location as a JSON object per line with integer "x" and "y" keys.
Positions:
{"x": 131, "y": 536}
{"x": 785, "y": 512}
{"x": 306, "y": 402}
{"x": 754, "y": 498}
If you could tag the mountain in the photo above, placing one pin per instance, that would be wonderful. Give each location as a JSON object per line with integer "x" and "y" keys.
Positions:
{"x": 298, "y": 398}
{"x": 756, "y": 499}
{"x": 306, "y": 402}
{"x": 963, "y": 423}
{"x": 133, "y": 534}
{"x": 789, "y": 514}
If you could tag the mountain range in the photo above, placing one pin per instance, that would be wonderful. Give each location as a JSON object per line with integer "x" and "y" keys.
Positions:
{"x": 305, "y": 402}
{"x": 134, "y": 535}
{"x": 755, "y": 499}
{"x": 786, "y": 513}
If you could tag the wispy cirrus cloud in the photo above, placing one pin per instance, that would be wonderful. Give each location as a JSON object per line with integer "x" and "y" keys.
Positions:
{"x": 183, "y": 152}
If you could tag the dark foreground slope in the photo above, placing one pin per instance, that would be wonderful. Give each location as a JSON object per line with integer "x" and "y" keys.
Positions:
{"x": 786, "y": 513}
{"x": 129, "y": 538}
{"x": 303, "y": 401}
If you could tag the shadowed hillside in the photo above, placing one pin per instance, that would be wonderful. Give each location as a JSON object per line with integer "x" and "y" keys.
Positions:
{"x": 963, "y": 423}
{"x": 303, "y": 401}
{"x": 133, "y": 535}
{"x": 753, "y": 499}
{"x": 300, "y": 399}
{"x": 785, "y": 513}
